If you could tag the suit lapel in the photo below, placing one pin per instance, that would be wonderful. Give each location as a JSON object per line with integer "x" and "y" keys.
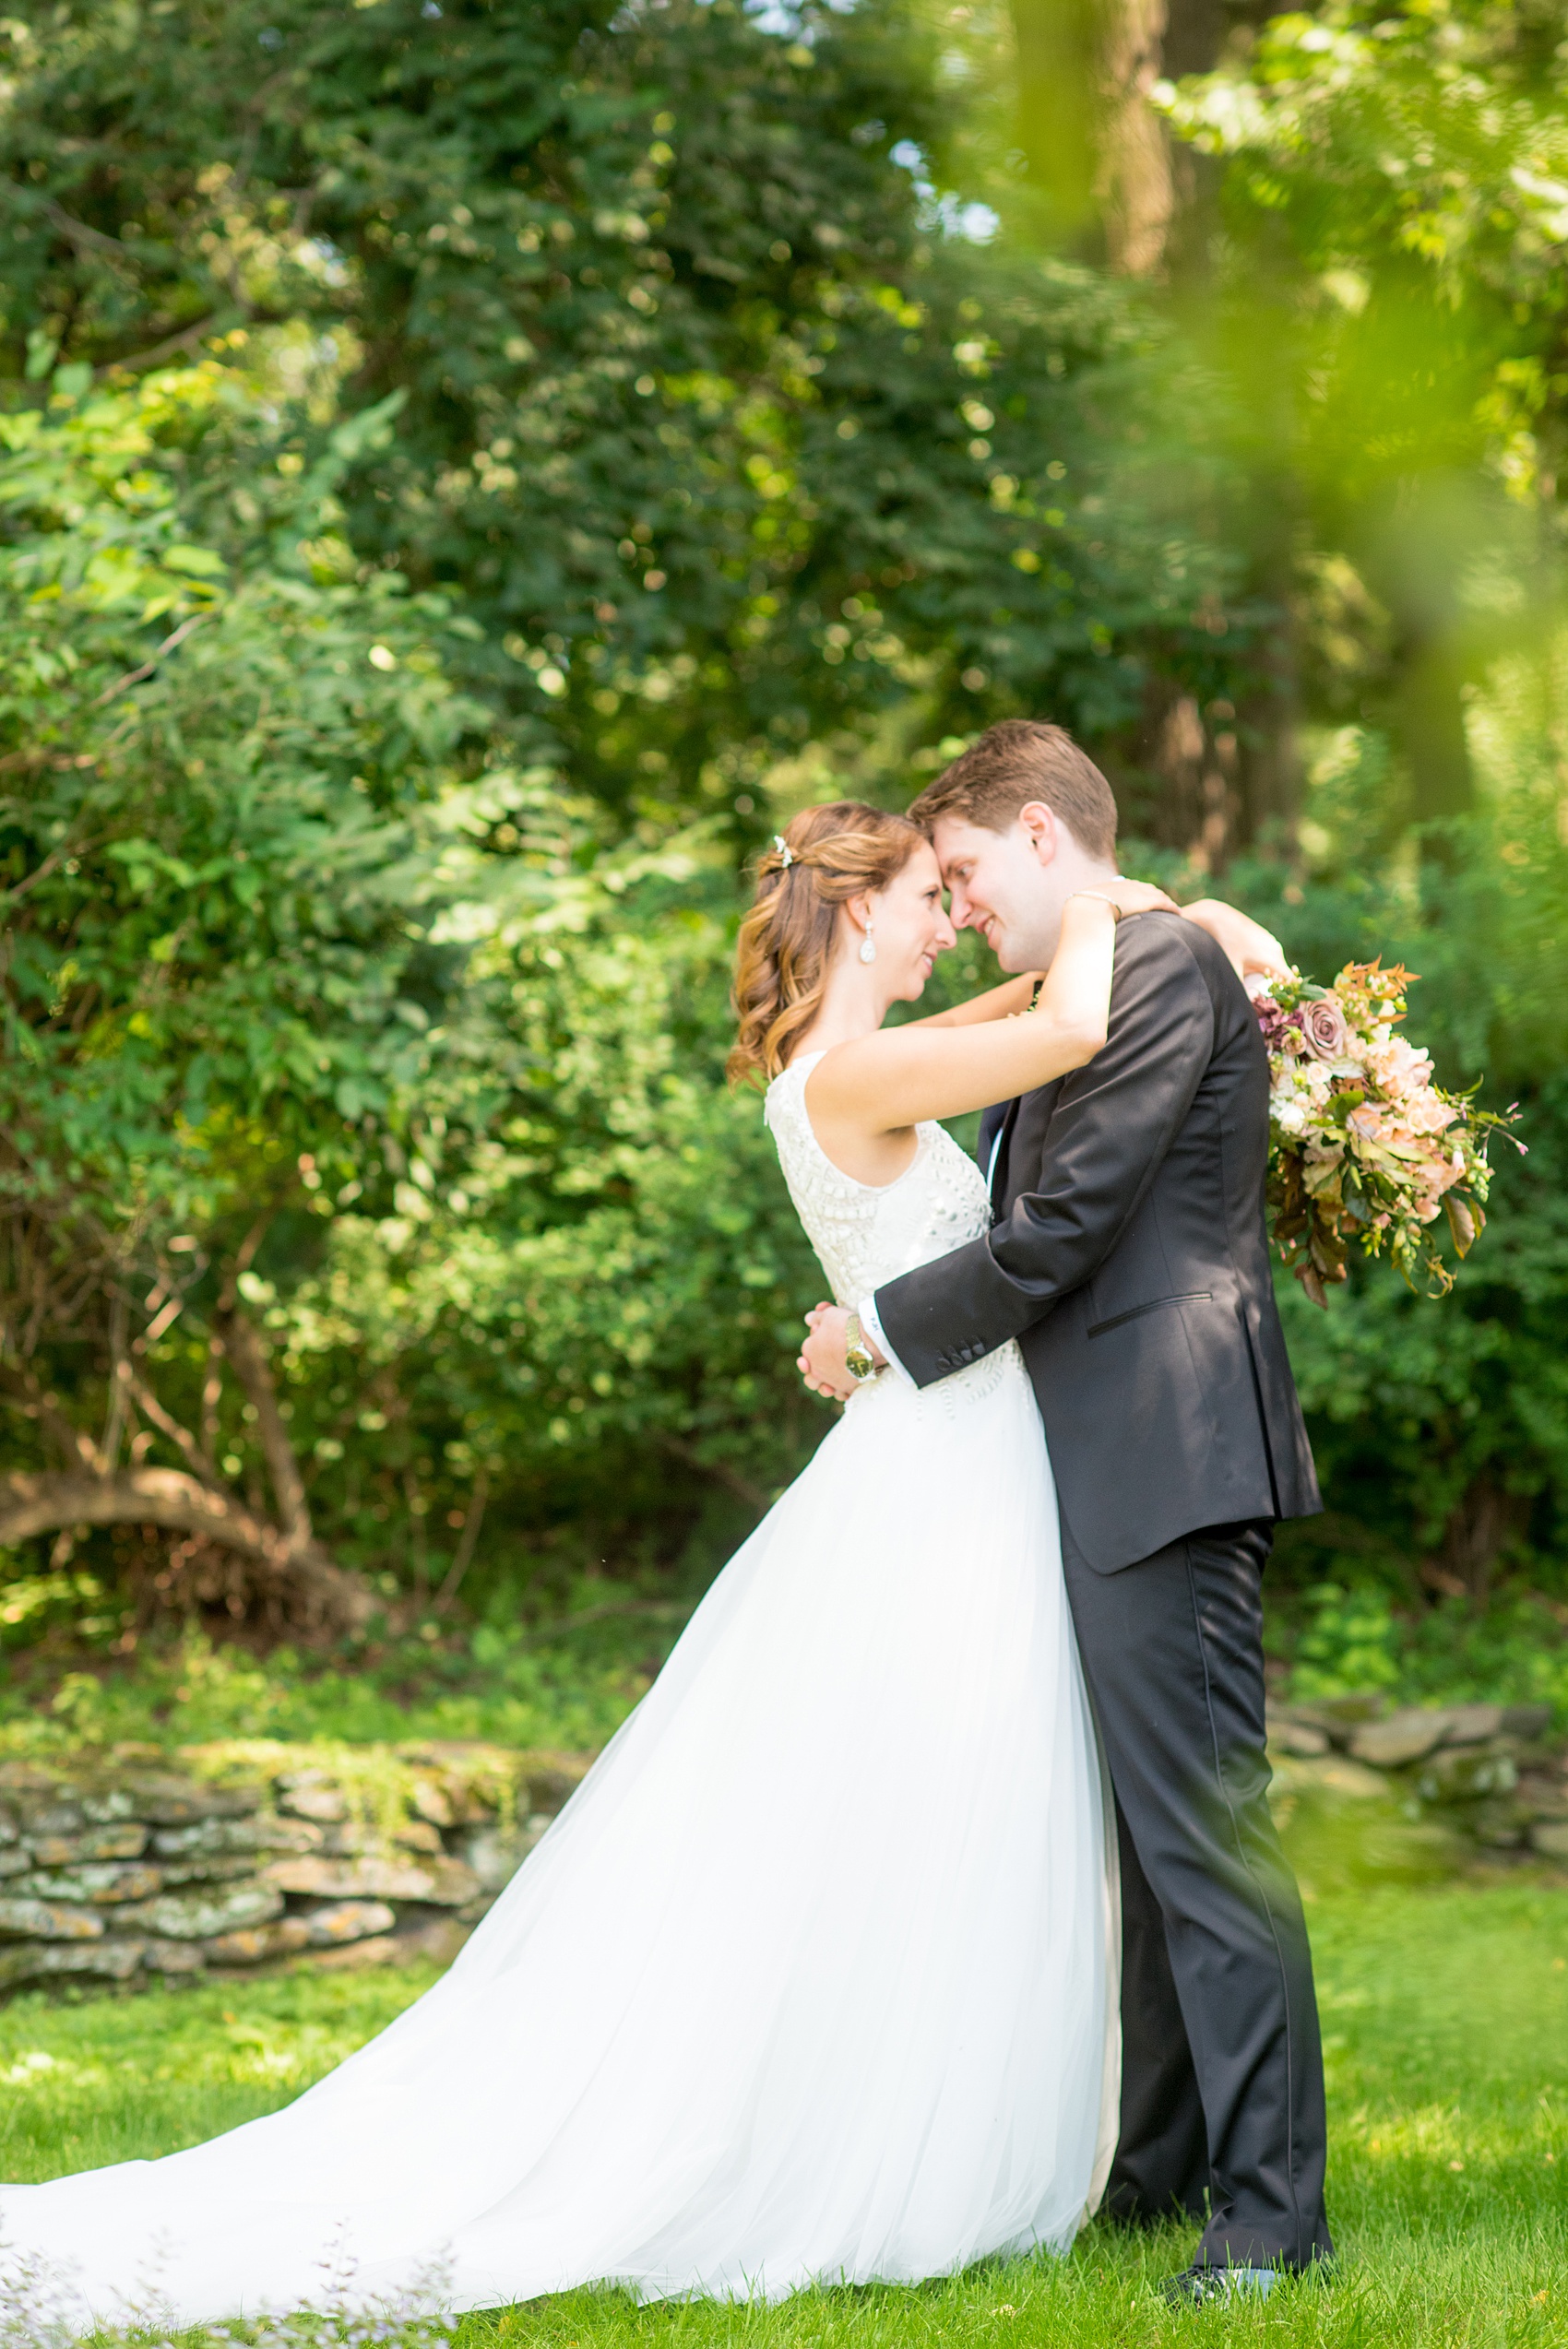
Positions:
{"x": 1023, "y": 1147}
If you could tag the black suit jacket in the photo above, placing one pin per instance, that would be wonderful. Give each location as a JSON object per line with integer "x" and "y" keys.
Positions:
{"x": 1129, "y": 1259}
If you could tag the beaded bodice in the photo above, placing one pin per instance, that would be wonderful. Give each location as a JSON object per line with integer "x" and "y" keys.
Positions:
{"x": 865, "y": 1234}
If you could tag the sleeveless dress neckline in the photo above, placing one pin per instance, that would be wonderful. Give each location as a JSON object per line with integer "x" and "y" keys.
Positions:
{"x": 804, "y": 1066}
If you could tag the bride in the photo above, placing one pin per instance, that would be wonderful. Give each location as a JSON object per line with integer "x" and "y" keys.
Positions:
{"x": 814, "y": 1979}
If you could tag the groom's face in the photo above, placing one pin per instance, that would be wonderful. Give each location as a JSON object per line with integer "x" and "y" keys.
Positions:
{"x": 1004, "y": 886}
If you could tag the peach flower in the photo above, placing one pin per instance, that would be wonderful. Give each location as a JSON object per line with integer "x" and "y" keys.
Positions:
{"x": 1400, "y": 1069}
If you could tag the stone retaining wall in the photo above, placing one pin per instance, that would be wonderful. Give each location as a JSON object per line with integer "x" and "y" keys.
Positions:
{"x": 135, "y": 1865}
{"x": 1492, "y": 1771}
{"x": 129, "y": 1865}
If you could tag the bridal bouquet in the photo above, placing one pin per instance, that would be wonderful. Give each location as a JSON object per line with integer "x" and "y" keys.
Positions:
{"x": 1364, "y": 1146}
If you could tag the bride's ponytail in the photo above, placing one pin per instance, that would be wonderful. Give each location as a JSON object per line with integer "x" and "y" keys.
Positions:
{"x": 824, "y": 856}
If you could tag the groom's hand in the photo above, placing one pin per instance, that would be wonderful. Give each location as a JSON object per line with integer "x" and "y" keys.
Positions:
{"x": 821, "y": 1360}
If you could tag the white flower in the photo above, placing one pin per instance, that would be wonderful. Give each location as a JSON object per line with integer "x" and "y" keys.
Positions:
{"x": 1289, "y": 1116}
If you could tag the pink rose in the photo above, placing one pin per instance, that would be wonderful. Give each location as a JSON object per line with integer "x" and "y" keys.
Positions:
{"x": 1324, "y": 1032}
{"x": 1274, "y": 1023}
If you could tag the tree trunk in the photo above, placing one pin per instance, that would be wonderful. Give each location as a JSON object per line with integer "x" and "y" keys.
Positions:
{"x": 1412, "y": 543}
{"x": 1102, "y": 165}
{"x": 1479, "y": 1526}
{"x": 246, "y": 1351}
{"x": 1134, "y": 183}
{"x": 277, "y": 1543}
{"x": 1197, "y": 807}
{"x": 33, "y": 1504}
{"x": 1429, "y": 719}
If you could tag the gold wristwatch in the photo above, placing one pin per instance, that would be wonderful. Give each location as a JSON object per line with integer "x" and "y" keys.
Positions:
{"x": 857, "y": 1359}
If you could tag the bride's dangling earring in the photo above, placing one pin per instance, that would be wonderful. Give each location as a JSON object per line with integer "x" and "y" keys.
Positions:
{"x": 868, "y": 945}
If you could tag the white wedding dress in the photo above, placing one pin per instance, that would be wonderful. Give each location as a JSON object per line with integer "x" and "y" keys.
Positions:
{"x": 814, "y": 1979}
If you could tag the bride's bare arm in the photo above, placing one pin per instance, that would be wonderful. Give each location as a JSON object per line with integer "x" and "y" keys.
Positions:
{"x": 994, "y": 1002}
{"x": 983, "y": 1050}
{"x": 1250, "y": 946}
{"x": 888, "y": 1082}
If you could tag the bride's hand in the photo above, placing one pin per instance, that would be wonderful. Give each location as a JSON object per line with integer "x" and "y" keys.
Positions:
{"x": 821, "y": 1360}
{"x": 1132, "y": 896}
{"x": 1247, "y": 945}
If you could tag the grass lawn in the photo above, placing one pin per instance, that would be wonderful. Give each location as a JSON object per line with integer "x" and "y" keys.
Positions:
{"x": 1445, "y": 2010}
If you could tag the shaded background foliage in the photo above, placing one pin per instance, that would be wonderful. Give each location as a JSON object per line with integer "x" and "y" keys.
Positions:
{"x": 681, "y": 368}
{"x": 469, "y": 471}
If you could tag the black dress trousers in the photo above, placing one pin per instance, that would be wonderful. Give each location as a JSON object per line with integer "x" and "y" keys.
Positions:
{"x": 1223, "y": 2103}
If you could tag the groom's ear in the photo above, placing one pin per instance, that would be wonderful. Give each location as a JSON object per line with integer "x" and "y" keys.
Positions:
{"x": 1042, "y": 829}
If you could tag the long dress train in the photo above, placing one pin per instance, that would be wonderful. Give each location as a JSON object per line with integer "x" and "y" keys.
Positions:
{"x": 814, "y": 1979}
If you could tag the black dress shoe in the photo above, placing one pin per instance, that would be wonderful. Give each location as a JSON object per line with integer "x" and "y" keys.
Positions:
{"x": 1198, "y": 2285}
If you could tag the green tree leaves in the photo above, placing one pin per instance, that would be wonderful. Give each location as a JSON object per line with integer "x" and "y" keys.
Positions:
{"x": 684, "y": 365}
{"x": 211, "y": 799}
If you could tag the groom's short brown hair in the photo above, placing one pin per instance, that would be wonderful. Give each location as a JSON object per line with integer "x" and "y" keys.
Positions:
{"x": 1013, "y": 763}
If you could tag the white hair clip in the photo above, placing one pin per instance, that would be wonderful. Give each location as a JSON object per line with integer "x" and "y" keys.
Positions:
{"x": 785, "y": 853}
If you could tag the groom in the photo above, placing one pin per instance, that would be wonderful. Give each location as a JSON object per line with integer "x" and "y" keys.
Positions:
{"x": 1129, "y": 1258}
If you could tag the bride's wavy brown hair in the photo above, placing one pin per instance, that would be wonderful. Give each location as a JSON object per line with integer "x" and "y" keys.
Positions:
{"x": 829, "y": 854}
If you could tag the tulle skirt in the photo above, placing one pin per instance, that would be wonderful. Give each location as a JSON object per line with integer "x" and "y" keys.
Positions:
{"x": 814, "y": 1979}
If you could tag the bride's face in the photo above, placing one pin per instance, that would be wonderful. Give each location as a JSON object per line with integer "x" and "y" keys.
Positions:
{"x": 911, "y": 927}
